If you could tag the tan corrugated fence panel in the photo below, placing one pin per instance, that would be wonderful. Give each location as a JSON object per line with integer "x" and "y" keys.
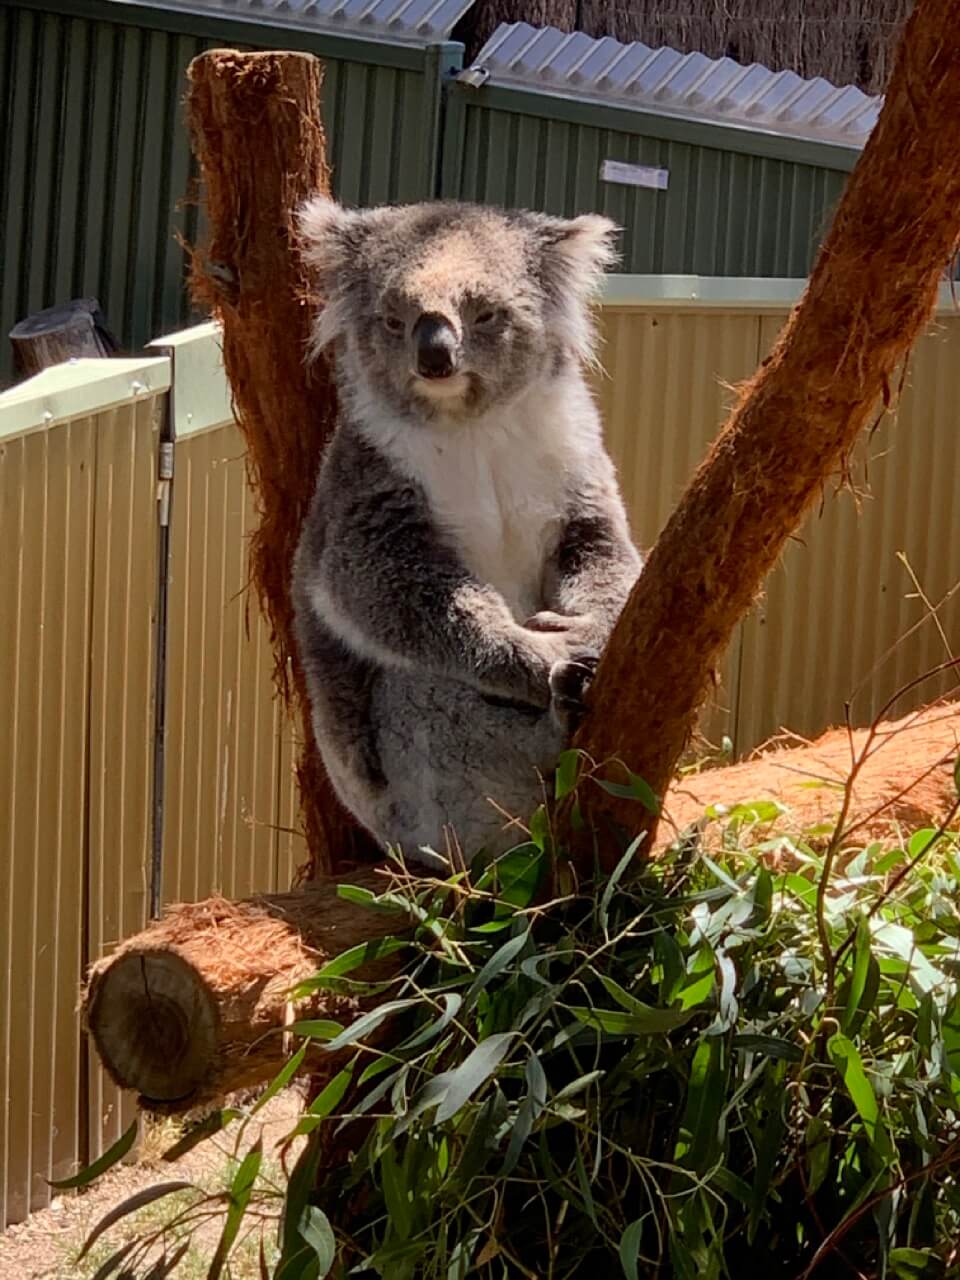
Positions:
{"x": 223, "y": 722}
{"x": 839, "y": 613}
{"x": 46, "y": 526}
{"x": 291, "y": 846}
{"x": 663, "y": 395}
{"x": 230, "y": 804}
{"x": 121, "y": 704}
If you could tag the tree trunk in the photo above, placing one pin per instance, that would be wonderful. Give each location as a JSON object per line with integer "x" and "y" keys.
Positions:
{"x": 255, "y": 122}
{"x": 192, "y": 1009}
{"x": 871, "y": 293}
{"x": 61, "y": 333}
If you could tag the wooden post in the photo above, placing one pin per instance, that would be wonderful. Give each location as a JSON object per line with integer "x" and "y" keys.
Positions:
{"x": 255, "y": 122}
{"x": 60, "y": 333}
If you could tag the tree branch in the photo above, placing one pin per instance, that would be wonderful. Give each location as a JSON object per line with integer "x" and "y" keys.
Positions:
{"x": 872, "y": 291}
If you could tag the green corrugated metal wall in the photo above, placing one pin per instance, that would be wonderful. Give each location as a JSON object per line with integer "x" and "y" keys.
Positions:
{"x": 95, "y": 164}
{"x": 95, "y": 159}
{"x": 737, "y": 204}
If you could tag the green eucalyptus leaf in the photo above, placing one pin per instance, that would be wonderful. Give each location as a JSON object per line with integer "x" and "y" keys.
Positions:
{"x": 769, "y": 1046}
{"x": 315, "y": 1029}
{"x": 315, "y": 1229}
{"x": 701, "y": 1128}
{"x": 366, "y": 1024}
{"x": 610, "y": 888}
{"x": 635, "y": 789}
{"x": 913, "y": 1264}
{"x": 817, "y": 1146}
{"x": 845, "y": 1057}
{"x": 618, "y": 1022}
{"x": 540, "y": 828}
{"x": 110, "y": 1157}
{"x": 629, "y": 1250}
{"x": 325, "y": 1102}
{"x": 476, "y": 1069}
{"x": 565, "y": 778}
{"x": 354, "y": 958}
{"x": 499, "y": 961}
{"x": 241, "y": 1188}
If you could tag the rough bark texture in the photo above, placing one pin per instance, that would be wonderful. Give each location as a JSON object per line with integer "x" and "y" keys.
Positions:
{"x": 850, "y": 42}
{"x": 194, "y": 1008}
{"x": 905, "y": 782}
{"x": 255, "y": 123}
{"x": 871, "y": 293}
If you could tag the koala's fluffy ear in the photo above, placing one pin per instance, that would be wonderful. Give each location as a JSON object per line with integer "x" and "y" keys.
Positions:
{"x": 328, "y": 235}
{"x": 575, "y": 253}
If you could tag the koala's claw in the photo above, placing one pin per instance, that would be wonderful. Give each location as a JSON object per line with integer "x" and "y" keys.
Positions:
{"x": 569, "y": 679}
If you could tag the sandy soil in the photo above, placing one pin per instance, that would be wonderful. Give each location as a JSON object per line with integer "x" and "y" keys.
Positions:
{"x": 48, "y": 1242}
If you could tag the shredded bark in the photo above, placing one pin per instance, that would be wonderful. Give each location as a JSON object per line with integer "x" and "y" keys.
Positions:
{"x": 255, "y": 124}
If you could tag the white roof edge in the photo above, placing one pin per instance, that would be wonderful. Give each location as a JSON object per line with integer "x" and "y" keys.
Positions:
{"x": 410, "y": 22}
{"x": 79, "y": 389}
{"x": 726, "y": 293}
{"x": 201, "y": 393}
{"x": 686, "y": 86}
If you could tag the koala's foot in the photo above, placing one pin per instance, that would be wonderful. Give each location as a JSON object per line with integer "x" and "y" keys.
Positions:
{"x": 569, "y": 679}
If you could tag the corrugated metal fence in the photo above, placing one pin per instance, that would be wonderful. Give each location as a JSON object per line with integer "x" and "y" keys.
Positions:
{"x": 842, "y": 616}
{"x": 79, "y": 646}
{"x": 79, "y": 449}
{"x": 78, "y": 582}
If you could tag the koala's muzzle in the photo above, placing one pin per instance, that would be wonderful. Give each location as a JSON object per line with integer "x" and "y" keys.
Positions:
{"x": 436, "y": 346}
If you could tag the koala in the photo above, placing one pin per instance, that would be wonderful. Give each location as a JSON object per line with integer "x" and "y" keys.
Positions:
{"x": 467, "y": 551}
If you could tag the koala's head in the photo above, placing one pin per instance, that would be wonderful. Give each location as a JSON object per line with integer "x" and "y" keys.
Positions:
{"x": 444, "y": 310}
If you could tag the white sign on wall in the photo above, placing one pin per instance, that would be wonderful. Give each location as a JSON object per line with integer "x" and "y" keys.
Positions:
{"x": 634, "y": 175}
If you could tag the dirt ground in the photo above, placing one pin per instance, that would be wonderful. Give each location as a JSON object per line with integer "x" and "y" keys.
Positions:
{"x": 47, "y": 1244}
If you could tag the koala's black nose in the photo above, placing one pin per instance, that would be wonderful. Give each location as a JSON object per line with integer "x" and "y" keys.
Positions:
{"x": 436, "y": 347}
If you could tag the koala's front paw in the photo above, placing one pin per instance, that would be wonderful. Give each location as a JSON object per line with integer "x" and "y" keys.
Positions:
{"x": 579, "y": 629}
{"x": 569, "y": 679}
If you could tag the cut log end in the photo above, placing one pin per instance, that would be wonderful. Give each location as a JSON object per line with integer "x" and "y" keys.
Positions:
{"x": 193, "y": 1009}
{"x": 155, "y": 1024}
{"x": 61, "y": 333}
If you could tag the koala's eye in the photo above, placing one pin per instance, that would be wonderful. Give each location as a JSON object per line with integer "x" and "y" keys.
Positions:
{"x": 394, "y": 325}
{"x": 484, "y": 319}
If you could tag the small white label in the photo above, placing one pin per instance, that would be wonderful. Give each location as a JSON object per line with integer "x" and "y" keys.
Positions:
{"x": 634, "y": 175}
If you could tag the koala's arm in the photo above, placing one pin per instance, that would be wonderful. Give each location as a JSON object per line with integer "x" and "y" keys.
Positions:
{"x": 595, "y": 564}
{"x": 375, "y": 569}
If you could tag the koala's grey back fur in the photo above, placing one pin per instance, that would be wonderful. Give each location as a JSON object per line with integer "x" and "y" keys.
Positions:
{"x": 467, "y": 545}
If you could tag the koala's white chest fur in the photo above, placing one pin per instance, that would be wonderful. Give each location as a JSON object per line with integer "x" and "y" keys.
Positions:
{"x": 500, "y": 487}
{"x": 501, "y": 503}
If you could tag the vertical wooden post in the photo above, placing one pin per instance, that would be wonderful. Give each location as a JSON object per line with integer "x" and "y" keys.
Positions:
{"x": 255, "y": 121}
{"x": 60, "y": 333}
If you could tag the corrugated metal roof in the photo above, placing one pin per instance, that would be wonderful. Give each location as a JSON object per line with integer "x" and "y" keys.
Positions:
{"x": 412, "y": 21}
{"x": 690, "y": 85}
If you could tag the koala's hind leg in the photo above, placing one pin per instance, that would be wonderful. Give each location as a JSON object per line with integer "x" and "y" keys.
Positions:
{"x": 463, "y": 773}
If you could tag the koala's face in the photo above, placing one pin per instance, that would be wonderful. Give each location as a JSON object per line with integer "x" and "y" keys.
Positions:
{"x": 444, "y": 310}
